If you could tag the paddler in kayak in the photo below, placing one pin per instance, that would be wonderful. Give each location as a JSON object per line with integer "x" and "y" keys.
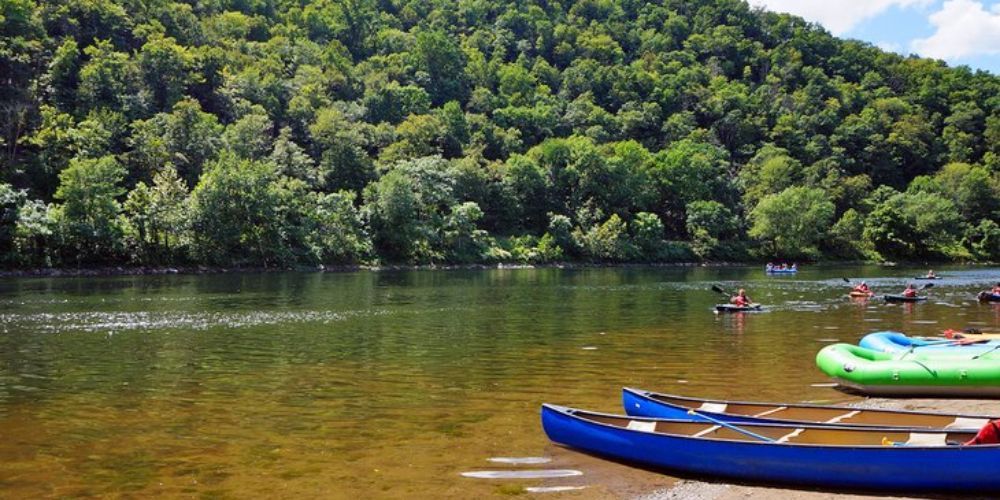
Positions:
{"x": 910, "y": 291}
{"x": 996, "y": 289}
{"x": 863, "y": 288}
{"x": 741, "y": 299}
{"x": 930, "y": 274}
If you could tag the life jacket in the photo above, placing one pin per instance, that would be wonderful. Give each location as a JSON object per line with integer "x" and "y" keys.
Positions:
{"x": 741, "y": 301}
{"x": 989, "y": 434}
{"x": 909, "y": 292}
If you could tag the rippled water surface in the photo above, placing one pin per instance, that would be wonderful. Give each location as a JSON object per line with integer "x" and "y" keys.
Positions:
{"x": 395, "y": 384}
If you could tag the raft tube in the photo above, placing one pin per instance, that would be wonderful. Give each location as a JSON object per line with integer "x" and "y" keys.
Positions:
{"x": 895, "y": 342}
{"x": 882, "y": 374}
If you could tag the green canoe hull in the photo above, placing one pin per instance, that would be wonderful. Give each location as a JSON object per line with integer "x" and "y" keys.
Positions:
{"x": 882, "y": 374}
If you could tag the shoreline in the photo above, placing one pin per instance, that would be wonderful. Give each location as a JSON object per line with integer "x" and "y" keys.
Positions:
{"x": 721, "y": 490}
{"x": 101, "y": 271}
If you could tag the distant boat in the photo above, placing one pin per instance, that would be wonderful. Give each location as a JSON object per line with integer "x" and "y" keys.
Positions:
{"x": 778, "y": 270}
{"x": 728, "y": 308}
{"x": 902, "y": 298}
{"x": 844, "y": 458}
{"x": 642, "y": 403}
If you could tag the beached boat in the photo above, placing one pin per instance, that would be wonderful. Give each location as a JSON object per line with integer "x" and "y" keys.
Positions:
{"x": 895, "y": 342}
{"x": 642, "y": 403}
{"x": 730, "y": 308}
{"x": 988, "y": 297}
{"x": 841, "y": 458}
{"x": 902, "y": 298}
{"x": 910, "y": 374}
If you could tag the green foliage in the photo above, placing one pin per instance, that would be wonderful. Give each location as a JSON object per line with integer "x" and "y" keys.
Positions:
{"x": 710, "y": 224}
{"x": 89, "y": 228}
{"x": 606, "y": 242}
{"x": 366, "y": 131}
{"x": 236, "y": 214}
{"x": 792, "y": 221}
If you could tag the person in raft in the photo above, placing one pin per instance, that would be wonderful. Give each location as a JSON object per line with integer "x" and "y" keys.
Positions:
{"x": 794, "y": 266}
{"x": 769, "y": 267}
{"x": 863, "y": 288}
{"x": 741, "y": 299}
{"x": 910, "y": 291}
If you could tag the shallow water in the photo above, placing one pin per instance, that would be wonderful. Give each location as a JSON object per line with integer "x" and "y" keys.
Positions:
{"x": 393, "y": 384}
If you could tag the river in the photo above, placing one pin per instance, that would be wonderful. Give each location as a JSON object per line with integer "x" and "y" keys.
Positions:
{"x": 392, "y": 384}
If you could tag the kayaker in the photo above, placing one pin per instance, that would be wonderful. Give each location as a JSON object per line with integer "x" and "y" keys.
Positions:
{"x": 996, "y": 289}
{"x": 930, "y": 274}
{"x": 863, "y": 288}
{"x": 910, "y": 291}
{"x": 741, "y": 299}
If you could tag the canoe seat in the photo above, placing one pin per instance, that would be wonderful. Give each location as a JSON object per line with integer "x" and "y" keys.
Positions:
{"x": 927, "y": 439}
{"x": 709, "y": 430}
{"x": 772, "y": 410}
{"x": 967, "y": 423}
{"x": 790, "y": 435}
{"x": 642, "y": 426}
{"x": 842, "y": 417}
{"x": 713, "y": 407}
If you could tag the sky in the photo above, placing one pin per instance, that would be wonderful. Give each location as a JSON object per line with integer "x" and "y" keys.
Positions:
{"x": 960, "y": 32}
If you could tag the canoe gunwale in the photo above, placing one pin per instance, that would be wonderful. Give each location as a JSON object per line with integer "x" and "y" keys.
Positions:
{"x": 576, "y": 414}
{"x": 651, "y": 396}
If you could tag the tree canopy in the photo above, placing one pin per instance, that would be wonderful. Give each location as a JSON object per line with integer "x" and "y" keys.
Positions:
{"x": 249, "y": 133}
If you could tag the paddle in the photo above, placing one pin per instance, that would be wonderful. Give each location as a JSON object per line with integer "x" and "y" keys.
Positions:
{"x": 719, "y": 289}
{"x": 987, "y": 351}
{"x": 732, "y": 427}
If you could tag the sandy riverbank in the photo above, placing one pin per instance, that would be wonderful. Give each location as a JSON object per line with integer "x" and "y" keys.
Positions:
{"x": 698, "y": 490}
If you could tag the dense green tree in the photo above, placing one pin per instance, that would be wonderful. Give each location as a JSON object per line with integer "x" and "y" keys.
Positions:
{"x": 236, "y": 214}
{"x": 89, "y": 227}
{"x": 367, "y": 130}
{"x": 793, "y": 221}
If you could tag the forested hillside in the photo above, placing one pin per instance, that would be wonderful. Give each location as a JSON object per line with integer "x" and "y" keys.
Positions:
{"x": 284, "y": 132}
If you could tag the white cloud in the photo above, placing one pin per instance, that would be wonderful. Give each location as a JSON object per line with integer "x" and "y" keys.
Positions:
{"x": 890, "y": 47}
{"x": 962, "y": 28}
{"x": 838, "y": 16}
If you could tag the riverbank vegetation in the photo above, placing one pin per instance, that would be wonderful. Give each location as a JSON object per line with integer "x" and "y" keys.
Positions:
{"x": 284, "y": 132}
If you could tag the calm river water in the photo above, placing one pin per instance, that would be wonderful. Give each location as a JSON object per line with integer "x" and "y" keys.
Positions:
{"x": 392, "y": 384}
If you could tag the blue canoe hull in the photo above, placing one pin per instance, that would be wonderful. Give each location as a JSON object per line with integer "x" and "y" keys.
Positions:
{"x": 891, "y": 468}
{"x": 895, "y": 342}
{"x": 782, "y": 271}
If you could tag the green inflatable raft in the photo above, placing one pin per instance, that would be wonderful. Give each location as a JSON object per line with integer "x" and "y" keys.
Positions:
{"x": 907, "y": 374}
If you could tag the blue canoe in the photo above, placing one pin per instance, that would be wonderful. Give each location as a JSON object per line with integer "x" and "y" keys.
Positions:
{"x": 642, "y": 403}
{"x": 895, "y": 342}
{"x": 840, "y": 458}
